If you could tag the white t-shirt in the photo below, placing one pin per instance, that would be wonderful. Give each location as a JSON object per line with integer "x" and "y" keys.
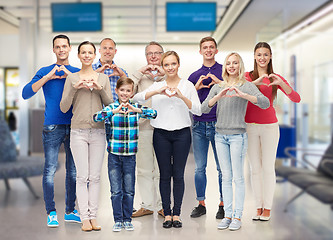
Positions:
{"x": 172, "y": 112}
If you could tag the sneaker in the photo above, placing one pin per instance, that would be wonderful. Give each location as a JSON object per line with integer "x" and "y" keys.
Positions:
{"x": 128, "y": 226}
{"x": 198, "y": 211}
{"x": 220, "y": 213}
{"x": 117, "y": 227}
{"x": 73, "y": 217}
{"x": 142, "y": 212}
{"x": 235, "y": 225}
{"x": 224, "y": 224}
{"x": 52, "y": 219}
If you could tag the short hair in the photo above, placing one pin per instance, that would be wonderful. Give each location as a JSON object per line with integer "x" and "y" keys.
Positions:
{"x": 124, "y": 81}
{"x": 63, "y": 37}
{"x": 108, "y": 39}
{"x": 153, "y": 43}
{"x": 86, "y": 43}
{"x": 207, "y": 39}
{"x": 170, "y": 53}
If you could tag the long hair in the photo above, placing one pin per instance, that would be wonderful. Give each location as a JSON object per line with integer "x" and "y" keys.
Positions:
{"x": 255, "y": 74}
{"x": 170, "y": 53}
{"x": 225, "y": 75}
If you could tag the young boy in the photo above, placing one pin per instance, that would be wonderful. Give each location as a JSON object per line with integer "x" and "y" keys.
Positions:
{"x": 124, "y": 117}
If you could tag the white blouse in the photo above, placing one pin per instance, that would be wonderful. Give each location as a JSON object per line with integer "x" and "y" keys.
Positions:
{"x": 172, "y": 112}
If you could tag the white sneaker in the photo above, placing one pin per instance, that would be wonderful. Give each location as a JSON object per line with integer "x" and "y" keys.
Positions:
{"x": 235, "y": 225}
{"x": 224, "y": 224}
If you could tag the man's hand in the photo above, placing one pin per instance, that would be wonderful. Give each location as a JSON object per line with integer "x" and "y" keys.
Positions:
{"x": 117, "y": 71}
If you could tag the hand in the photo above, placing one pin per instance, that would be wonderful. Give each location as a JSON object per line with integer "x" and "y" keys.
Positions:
{"x": 150, "y": 68}
{"x": 116, "y": 71}
{"x": 177, "y": 93}
{"x": 103, "y": 68}
{"x": 259, "y": 80}
{"x": 237, "y": 93}
{"x": 131, "y": 108}
{"x": 52, "y": 73}
{"x": 199, "y": 85}
{"x": 82, "y": 83}
{"x": 120, "y": 109}
{"x": 215, "y": 80}
{"x": 223, "y": 93}
{"x": 276, "y": 79}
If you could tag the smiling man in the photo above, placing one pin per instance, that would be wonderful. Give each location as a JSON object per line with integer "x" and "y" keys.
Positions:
{"x": 147, "y": 170}
{"x": 56, "y": 129}
{"x": 203, "y": 129}
{"x": 107, "y": 66}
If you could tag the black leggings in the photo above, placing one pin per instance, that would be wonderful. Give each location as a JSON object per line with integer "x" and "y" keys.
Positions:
{"x": 172, "y": 149}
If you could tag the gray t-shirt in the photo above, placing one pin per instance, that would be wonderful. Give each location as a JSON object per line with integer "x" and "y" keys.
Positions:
{"x": 231, "y": 111}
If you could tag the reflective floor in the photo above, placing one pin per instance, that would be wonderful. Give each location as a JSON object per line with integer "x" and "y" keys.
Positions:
{"x": 23, "y": 217}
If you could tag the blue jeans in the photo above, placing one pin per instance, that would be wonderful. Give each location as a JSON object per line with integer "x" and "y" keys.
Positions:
{"x": 122, "y": 180}
{"x": 53, "y": 137}
{"x": 231, "y": 150}
{"x": 202, "y": 134}
{"x": 172, "y": 149}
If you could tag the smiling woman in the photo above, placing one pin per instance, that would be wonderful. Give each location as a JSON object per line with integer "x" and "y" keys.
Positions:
{"x": 174, "y": 98}
{"x": 86, "y": 91}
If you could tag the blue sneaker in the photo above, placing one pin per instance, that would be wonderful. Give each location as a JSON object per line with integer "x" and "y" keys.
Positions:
{"x": 52, "y": 219}
{"x": 224, "y": 224}
{"x": 128, "y": 226}
{"x": 117, "y": 227}
{"x": 73, "y": 217}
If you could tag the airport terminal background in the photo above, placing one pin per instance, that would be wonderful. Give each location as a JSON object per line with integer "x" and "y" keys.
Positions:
{"x": 302, "y": 45}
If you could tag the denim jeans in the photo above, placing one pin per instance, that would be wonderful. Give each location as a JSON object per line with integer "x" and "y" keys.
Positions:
{"x": 53, "y": 137}
{"x": 172, "y": 149}
{"x": 202, "y": 134}
{"x": 231, "y": 150}
{"x": 122, "y": 180}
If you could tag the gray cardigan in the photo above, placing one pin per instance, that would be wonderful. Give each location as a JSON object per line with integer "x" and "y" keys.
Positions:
{"x": 231, "y": 111}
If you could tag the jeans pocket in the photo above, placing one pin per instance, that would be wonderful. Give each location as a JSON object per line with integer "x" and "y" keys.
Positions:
{"x": 49, "y": 128}
{"x": 195, "y": 124}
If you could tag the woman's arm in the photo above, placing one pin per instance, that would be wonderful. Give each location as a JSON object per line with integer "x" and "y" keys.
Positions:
{"x": 285, "y": 87}
{"x": 68, "y": 94}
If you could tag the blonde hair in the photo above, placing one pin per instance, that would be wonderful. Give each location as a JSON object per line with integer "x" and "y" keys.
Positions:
{"x": 225, "y": 75}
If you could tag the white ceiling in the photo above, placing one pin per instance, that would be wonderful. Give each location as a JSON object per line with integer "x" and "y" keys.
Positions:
{"x": 132, "y": 21}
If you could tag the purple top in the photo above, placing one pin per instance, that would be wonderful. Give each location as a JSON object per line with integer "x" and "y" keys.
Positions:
{"x": 216, "y": 69}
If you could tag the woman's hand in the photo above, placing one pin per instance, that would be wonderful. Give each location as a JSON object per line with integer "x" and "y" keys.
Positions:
{"x": 82, "y": 83}
{"x": 276, "y": 80}
{"x": 259, "y": 80}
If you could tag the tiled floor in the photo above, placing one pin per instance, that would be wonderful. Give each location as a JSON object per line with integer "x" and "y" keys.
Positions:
{"x": 23, "y": 217}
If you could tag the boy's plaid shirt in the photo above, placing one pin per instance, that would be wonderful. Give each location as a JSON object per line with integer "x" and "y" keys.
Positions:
{"x": 124, "y": 127}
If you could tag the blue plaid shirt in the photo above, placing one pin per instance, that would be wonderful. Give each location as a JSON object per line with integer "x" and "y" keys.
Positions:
{"x": 113, "y": 79}
{"x": 124, "y": 127}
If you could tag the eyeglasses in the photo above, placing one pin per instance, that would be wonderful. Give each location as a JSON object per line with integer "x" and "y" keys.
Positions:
{"x": 153, "y": 53}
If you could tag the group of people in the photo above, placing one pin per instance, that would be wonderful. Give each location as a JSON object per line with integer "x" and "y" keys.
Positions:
{"x": 149, "y": 129}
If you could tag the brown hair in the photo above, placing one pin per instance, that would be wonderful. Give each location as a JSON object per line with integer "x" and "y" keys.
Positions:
{"x": 255, "y": 74}
{"x": 86, "y": 43}
{"x": 207, "y": 39}
{"x": 124, "y": 81}
{"x": 169, "y": 53}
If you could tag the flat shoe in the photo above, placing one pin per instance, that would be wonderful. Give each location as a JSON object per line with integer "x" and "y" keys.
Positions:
{"x": 167, "y": 224}
{"x": 263, "y": 218}
{"x": 177, "y": 224}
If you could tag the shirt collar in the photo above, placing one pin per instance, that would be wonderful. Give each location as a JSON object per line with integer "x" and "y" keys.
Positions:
{"x": 100, "y": 63}
{"x": 212, "y": 67}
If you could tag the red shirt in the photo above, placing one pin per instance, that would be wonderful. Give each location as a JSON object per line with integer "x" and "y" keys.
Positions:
{"x": 257, "y": 115}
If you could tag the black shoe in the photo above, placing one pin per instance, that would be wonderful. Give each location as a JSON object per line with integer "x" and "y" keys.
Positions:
{"x": 167, "y": 224}
{"x": 220, "y": 213}
{"x": 177, "y": 224}
{"x": 198, "y": 211}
